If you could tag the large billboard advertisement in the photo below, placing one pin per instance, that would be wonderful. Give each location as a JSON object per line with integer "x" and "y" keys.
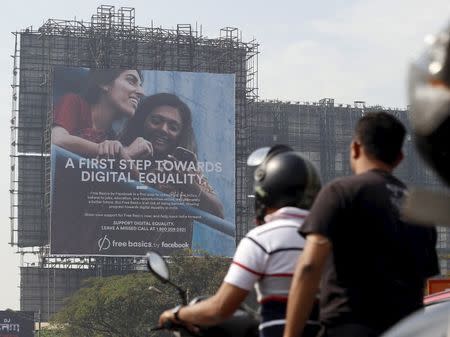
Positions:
{"x": 142, "y": 160}
{"x": 16, "y": 323}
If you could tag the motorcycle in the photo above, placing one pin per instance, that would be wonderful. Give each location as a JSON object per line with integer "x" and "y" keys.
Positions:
{"x": 243, "y": 323}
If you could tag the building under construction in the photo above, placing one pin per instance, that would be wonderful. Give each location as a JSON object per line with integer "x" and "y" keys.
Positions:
{"x": 320, "y": 130}
{"x": 110, "y": 40}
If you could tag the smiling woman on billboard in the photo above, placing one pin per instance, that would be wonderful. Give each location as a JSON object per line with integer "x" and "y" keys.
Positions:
{"x": 163, "y": 122}
{"x": 84, "y": 123}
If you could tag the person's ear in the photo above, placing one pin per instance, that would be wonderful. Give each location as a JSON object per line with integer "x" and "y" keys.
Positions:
{"x": 399, "y": 159}
{"x": 355, "y": 149}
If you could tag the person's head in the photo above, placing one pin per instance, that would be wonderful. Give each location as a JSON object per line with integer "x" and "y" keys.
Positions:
{"x": 119, "y": 89}
{"x": 429, "y": 98}
{"x": 378, "y": 138}
{"x": 164, "y": 120}
{"x": 284, "y": 178}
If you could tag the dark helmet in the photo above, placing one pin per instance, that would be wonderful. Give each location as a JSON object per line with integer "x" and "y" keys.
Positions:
{"x": 283, "y": 178}
{"x": 429, "y": 97}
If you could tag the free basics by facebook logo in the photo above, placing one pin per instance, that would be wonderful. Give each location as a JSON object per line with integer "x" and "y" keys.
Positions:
{"x": 104, "y": 243}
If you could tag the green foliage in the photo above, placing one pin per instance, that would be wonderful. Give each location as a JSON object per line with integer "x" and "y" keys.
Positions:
{"x": 120, "y": 306}
{"x": 50, "y": 332}
{"x": 201, "y": 275}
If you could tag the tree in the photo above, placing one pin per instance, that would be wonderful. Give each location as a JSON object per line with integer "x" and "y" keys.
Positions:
{"x": 120, "y": 306}
{"x": 50, "y": 331}
{"x": 200, "y": 275}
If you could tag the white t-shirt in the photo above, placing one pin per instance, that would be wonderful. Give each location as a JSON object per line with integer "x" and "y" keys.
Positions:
{"x": 267, "y": 255}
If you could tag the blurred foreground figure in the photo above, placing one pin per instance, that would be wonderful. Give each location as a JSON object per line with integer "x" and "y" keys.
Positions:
{"x": 429, "y": 97}
{"x": 372, "y": 264}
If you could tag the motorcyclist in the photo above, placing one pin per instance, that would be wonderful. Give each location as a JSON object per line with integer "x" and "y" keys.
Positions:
{"x": 285, "y": 185}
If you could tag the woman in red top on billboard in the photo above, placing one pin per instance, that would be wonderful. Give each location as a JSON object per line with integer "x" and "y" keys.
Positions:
{"x": 162, "y": 129}
{"x": 85, "y": 123}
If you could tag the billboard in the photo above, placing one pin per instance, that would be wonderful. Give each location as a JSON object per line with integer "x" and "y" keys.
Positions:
{"x": 16, "y": 323}
{"x": 142, "y": 160}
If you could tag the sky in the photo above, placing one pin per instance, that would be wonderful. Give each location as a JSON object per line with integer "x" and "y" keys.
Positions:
{"x": 343, "y": 49}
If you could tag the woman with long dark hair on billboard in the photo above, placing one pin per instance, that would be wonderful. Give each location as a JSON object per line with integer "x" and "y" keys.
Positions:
{"x": 162, "y": 129}
{"x": 84, "y": 123}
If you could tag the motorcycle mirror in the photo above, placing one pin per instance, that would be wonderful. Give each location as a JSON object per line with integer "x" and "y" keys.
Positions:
{"x": 157, "y": 265}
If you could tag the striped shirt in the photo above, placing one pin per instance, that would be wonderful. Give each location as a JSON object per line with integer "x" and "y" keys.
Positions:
{"x": 266, "y": 258}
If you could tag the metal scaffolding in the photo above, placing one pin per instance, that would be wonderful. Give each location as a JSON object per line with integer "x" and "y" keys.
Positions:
{"x": 110, "y": 39}
{"x": 322, "y": 131}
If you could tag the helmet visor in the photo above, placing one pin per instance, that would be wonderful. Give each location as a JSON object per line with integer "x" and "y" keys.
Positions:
{"x": 257, "y": 157}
